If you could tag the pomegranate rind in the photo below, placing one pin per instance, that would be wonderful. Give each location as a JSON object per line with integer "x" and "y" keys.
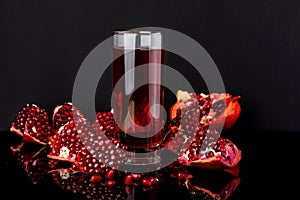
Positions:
{"x": 227, "y": 118}
{"x": 216, "y": 162}
{"x": 231, "y": 114}
{"x": 14, "y": 130}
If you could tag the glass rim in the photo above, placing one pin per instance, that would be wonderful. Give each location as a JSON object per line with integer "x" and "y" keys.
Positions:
{"x": 137, "y": 32}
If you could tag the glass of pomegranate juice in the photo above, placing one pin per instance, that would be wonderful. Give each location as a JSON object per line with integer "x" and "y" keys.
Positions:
{"x": 138, "y": 95}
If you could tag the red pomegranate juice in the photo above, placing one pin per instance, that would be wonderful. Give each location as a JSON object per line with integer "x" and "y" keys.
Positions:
{"x": 136, "y": 107}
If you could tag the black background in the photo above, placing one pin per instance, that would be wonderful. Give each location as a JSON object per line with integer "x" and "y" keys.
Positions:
{"x": 255, "y": 44}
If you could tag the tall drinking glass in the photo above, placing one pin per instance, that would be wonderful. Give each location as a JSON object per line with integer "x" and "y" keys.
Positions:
{"x": 138, "y": 93}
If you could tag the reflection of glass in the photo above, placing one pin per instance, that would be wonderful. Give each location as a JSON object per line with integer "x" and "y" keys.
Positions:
{"x": 138, "y": 95}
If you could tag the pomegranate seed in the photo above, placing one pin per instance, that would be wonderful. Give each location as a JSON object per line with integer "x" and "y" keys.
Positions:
{"x": 146, "y": 182}
{"x": 128, "y": 180}
{"x": 95, "y": 178}
{"x": 136, "y": 176}
{"x": 109, "y": 174}
{"x": 181, "y": 175}
{"x": 111, "y": 183}
{"x": 153, "y": 181}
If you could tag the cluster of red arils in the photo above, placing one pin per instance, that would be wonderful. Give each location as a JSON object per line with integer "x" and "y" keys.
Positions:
{"x": 201, "y": 119}
{"x": 196, "y": 119}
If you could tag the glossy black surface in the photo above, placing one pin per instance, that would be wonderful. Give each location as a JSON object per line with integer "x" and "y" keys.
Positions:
{"x": 268, "y": 168}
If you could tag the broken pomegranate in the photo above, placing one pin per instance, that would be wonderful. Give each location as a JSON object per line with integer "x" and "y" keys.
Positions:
{"x": 63, "y": 114}
{"x": 178, "y": 134}
{"x": 225, "y": 109}
{"x": 32, "y": 123}
{"x": 207, "y": 153}
{"x": 205, "y": 148}
{"x": 99, "y": 155}
{"x": 67, "y": 141}
{"x": 100, "y": 151}
{"x": 107, "y": 124}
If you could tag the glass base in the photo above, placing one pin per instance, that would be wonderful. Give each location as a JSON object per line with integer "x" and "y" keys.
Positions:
{"x": 140, "y": 163}
{"x": 142, "y": 160}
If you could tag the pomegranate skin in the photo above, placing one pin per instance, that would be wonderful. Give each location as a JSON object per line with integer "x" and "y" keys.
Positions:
{"x": 224, "y": 116}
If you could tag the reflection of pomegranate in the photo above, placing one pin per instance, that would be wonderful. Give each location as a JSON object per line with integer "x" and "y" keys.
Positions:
{"x": 146, "y": 180}
{"x": 225, "y": 109}
{"x": 32, "y": 122}
{"x": 203, "y": 184}
{"x": 33, "y": 160}
{"x": 203, "y": 191}
{"x": 96, "y": 187}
